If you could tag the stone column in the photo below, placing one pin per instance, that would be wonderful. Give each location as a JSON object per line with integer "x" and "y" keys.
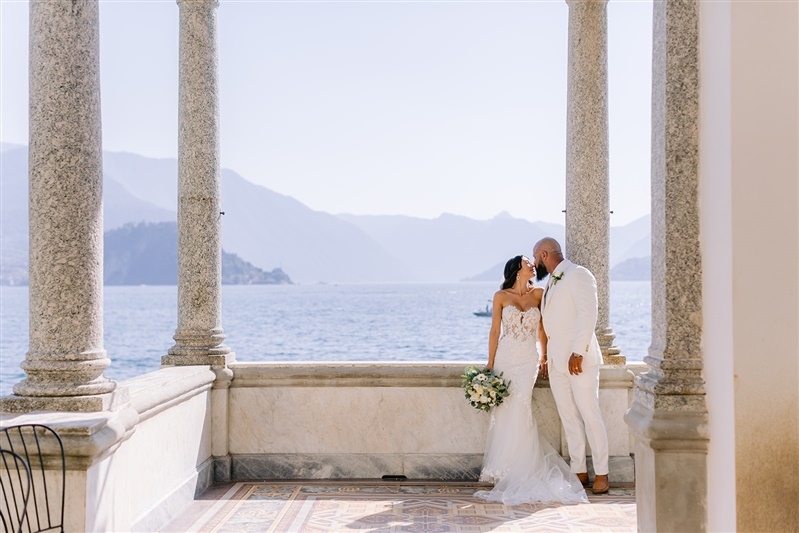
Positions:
{"x": 66, "y": 359}
{"x": 587, "y": 184}
{"x": 668, "y": 417}
{"x": 199, "y": 336}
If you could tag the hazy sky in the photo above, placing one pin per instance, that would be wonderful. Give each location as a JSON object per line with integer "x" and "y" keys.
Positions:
{"x": 414, "y": 108}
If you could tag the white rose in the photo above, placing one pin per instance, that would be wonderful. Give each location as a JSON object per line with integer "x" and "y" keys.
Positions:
{"x": 484, "y": 399}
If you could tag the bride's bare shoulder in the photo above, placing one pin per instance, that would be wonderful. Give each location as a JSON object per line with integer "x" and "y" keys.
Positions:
{"x": 501, "y": 297}
{"x": 537, "y": 295}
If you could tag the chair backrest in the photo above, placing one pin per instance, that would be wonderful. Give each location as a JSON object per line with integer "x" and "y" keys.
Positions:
{"x": 15, "y": 486}
{"x": 42, "y": 450}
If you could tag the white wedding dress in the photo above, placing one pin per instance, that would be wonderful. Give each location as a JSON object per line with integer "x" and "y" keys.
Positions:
{"x": 521, "y": 464}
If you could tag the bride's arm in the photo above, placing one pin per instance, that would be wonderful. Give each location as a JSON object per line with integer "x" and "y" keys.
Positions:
{"x": 493, "y": 335}
{"x": 543, "y": 366}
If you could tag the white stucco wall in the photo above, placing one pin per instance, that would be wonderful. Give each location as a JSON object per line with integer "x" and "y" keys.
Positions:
{"x": 715, "y": 197}
{"x": 168, "y": 453}
{"x": 155, "y": 473}
{"x": 134, "y": 468}
{"x": 168, "y": 458}
{"x": 750, "y": 247}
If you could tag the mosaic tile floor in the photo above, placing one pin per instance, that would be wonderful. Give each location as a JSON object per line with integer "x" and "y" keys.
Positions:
{"x": 387, "y": 507}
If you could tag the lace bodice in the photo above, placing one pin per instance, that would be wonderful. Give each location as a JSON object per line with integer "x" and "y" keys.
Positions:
{"x": 520, "y": 325}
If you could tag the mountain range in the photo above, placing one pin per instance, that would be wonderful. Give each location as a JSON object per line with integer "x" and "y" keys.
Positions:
{"x": 271, "y": 230}
{"x": 147, "y": 254}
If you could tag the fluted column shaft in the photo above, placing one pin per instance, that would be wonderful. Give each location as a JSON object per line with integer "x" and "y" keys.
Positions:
{"x": 199, "y": 336}
{"x": 66, "y": 358}
{"x": 668, "y": 416}
{"x": 587, "y": 183}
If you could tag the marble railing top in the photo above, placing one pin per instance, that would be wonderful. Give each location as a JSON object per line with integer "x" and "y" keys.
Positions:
{"x": 88, "y": 437}
{"x": 385, "y": 374}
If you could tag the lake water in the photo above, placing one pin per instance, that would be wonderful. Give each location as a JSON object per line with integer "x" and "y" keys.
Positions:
{"x": 344, "y": 322}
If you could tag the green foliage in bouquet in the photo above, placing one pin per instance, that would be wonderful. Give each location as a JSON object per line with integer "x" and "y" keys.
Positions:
{"x": 484, "y": 389}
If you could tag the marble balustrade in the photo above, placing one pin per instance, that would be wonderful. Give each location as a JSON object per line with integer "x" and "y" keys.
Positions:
{"x": 368, "y": 420}
{"x": 134, "y": 468}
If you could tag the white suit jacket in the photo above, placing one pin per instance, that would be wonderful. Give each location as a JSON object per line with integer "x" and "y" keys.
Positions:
{"x": 569, "y": 312}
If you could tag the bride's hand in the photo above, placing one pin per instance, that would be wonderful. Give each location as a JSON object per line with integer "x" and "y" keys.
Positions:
{"x": 543, "y": 369}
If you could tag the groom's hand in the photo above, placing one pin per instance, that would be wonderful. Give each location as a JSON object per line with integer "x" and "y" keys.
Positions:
{"x": 575, "y": 364}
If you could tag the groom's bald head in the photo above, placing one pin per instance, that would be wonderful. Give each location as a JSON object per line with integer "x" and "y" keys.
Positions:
{"x": 546, "y": 253}
{"x": 549, "y": 245}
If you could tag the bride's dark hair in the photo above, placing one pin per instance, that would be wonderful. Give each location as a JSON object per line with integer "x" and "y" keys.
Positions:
{"x": 512, "y": 268}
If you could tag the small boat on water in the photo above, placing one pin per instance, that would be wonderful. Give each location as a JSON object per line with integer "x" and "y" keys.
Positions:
{"x": 483, "y": 312}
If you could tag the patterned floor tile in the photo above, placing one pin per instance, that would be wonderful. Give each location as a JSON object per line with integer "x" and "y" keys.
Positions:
{"x": 414, "y": 507}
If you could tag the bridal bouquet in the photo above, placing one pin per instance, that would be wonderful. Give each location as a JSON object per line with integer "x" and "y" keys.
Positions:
{"x": 483, "y": 388}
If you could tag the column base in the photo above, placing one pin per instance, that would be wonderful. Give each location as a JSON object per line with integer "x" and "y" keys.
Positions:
{"x": 216, "y": 361}
{"x": 670, "y": 468}
{"x": 111, "y": 401}
{"x": 609, "y": 350}
{"x": 48, "y": 385}
{"x": 614, "y": 360}
{"x": 611, "y": 354}
{"x": 195, "y": 348}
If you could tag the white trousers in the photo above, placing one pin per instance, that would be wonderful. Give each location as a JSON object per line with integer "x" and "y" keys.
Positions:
{"x": 577, "y": 399}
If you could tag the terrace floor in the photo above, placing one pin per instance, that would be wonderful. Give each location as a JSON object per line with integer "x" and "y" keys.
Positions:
{"x": 388, "y": 506}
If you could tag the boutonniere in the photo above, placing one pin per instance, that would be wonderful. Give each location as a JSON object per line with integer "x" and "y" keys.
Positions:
{"x": 556, "y": 278}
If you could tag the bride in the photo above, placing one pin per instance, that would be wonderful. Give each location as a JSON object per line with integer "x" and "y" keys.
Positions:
{"x": 521, "y": 464}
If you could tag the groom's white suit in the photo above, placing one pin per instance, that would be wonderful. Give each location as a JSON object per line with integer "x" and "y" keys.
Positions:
{"x": 569, "y": 313}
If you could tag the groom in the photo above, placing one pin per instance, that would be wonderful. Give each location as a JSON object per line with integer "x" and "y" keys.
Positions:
{"x": 569, "y": 311}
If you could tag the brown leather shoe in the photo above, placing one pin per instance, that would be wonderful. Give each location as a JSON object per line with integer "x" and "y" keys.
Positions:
{"x": 601, "y": 485}
{"x": 583, "y": 477}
